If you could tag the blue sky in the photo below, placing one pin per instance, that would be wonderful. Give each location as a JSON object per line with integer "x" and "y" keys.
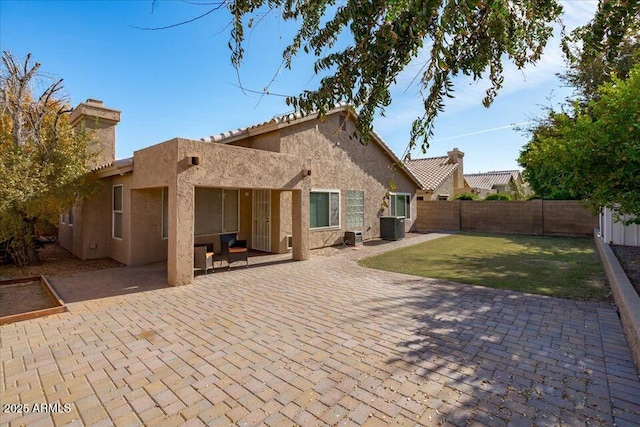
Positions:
{"x": 180, "y": 82}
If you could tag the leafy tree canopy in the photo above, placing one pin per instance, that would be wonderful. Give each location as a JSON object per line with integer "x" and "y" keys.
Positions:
{"x": 43, "y": 161}
{"x": 593, "y": 151}
{"x": 607, "y": 46}
{"x": 471, "y": 37}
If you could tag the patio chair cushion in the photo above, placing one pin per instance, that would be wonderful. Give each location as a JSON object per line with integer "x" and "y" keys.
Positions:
{"x": 233, "y": 250}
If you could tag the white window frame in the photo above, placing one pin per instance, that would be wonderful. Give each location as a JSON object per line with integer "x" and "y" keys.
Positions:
{"x": 70, "y": 216}
{"x": 394, "y": 194}
{"x": 114, "y": 211}
{"x": 165, "y": 198}
{"x": 62, "y": 220}
{"x": 329, "y": 191}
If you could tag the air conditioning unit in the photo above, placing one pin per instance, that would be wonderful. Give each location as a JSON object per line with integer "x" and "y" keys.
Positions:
{"x": 392, "y": 227}
{"x": 353, "y": 238}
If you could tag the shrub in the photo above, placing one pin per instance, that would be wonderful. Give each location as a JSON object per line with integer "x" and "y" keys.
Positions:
{"x": 466, "y": 196}
{"x": 498, "y": 196}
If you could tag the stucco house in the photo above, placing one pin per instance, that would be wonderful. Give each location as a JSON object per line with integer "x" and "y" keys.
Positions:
{"x": 508, "y": 182}
{"x": 441, "y": 178}
{"x": 290, "y": 184}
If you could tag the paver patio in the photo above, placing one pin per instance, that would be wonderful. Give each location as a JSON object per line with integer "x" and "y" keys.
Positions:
{"x": 323, "y": 342}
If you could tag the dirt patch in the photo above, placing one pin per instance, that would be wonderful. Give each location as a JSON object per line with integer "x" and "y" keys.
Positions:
{"x": 23, "y": 297}
{"x": 56, "y": 261}
{"x": 629, "y": 257}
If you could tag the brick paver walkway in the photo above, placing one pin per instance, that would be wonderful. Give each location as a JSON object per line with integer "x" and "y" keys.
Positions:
{"x": 322, "y": 342}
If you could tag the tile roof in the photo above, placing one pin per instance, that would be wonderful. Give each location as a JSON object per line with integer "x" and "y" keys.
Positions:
{"x": 276, "y": 120}
{"x": 488, "y": 180}
{"x": 432, "y": 171}
{"x": 515, "y": 173}
{"x": 116, "y": 167}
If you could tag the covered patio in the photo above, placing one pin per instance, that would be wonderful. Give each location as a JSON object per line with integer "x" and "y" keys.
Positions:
{"x": 215, "y": 189}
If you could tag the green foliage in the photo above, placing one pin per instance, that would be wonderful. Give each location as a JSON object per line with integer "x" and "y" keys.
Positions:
{"x": 593, "y": 151}
{"x": 43, "y": 161}
{"x": 472, "y": 38}
{"x": 466, "y": 196}
{"x": 607, "y": 46}
{"x": 498, "y": 196}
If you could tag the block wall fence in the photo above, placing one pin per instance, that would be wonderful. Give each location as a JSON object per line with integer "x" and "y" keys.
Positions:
{"x": 535, "y": 217}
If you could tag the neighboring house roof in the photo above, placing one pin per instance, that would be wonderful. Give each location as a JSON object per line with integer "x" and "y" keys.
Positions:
{"x": 515, "y": 174}
{"x": 432, "y": 171}
{"x": 488, "y": 180}
{"x": 286, "y": 120}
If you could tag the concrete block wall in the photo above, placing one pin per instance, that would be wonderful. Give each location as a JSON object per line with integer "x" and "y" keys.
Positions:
{"x": 567, "y": 217}
{"x": 438, "y": 215}
{"x": 497, "y": 216}
{"x": 535, "y": 217}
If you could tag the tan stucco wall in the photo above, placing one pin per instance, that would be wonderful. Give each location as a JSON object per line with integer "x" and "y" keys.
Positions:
{"x": 155, "y": 166}
{"x": 95, "y": 222}
{"x": 88, "y": 237}
{"x": 339, "y": 162}
{"x": 65, "y": 235}
{"x": 147, "y": 244}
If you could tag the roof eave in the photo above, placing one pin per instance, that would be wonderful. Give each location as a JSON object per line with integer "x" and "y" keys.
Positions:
{"x": 119, "y": 167}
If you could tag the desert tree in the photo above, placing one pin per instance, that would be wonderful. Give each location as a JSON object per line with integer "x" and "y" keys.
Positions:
{"x": 43, "y": 160}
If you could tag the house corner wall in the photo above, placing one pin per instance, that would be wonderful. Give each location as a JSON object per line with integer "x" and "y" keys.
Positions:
{"x": 95, "y": 223}
{"x": 147, "y": 244}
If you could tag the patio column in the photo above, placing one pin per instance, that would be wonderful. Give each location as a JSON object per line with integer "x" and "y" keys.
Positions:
{"x": 300, "y": 226}
{"x": 180, "y": 251}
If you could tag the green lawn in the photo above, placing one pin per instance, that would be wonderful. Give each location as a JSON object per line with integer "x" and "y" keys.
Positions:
{"x": 565, "y": 267}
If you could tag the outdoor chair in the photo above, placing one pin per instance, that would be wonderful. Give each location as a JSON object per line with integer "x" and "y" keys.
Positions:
{"x": 233, "y": 250}
{"x": 203, "y": 258}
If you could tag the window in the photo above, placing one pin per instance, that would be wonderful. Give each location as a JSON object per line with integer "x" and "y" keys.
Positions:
{"x": 117, "y": 211}
{"x": 420, "y": 198}
{"x": 355, "y": 209}
{"x": 62, "y": 220}
{"x": 165, "y": 213}
{"x": 216, "y": 211}
{"x": 71, "y": 217}
{"x": 324, "y": 208}
{"x": 443, "y": 197}
{"x": 400, "y": 205}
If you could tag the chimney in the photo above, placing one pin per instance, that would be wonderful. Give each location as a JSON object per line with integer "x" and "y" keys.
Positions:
{"x": 93, "y": 115}
{"x": 456, "y": 156}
